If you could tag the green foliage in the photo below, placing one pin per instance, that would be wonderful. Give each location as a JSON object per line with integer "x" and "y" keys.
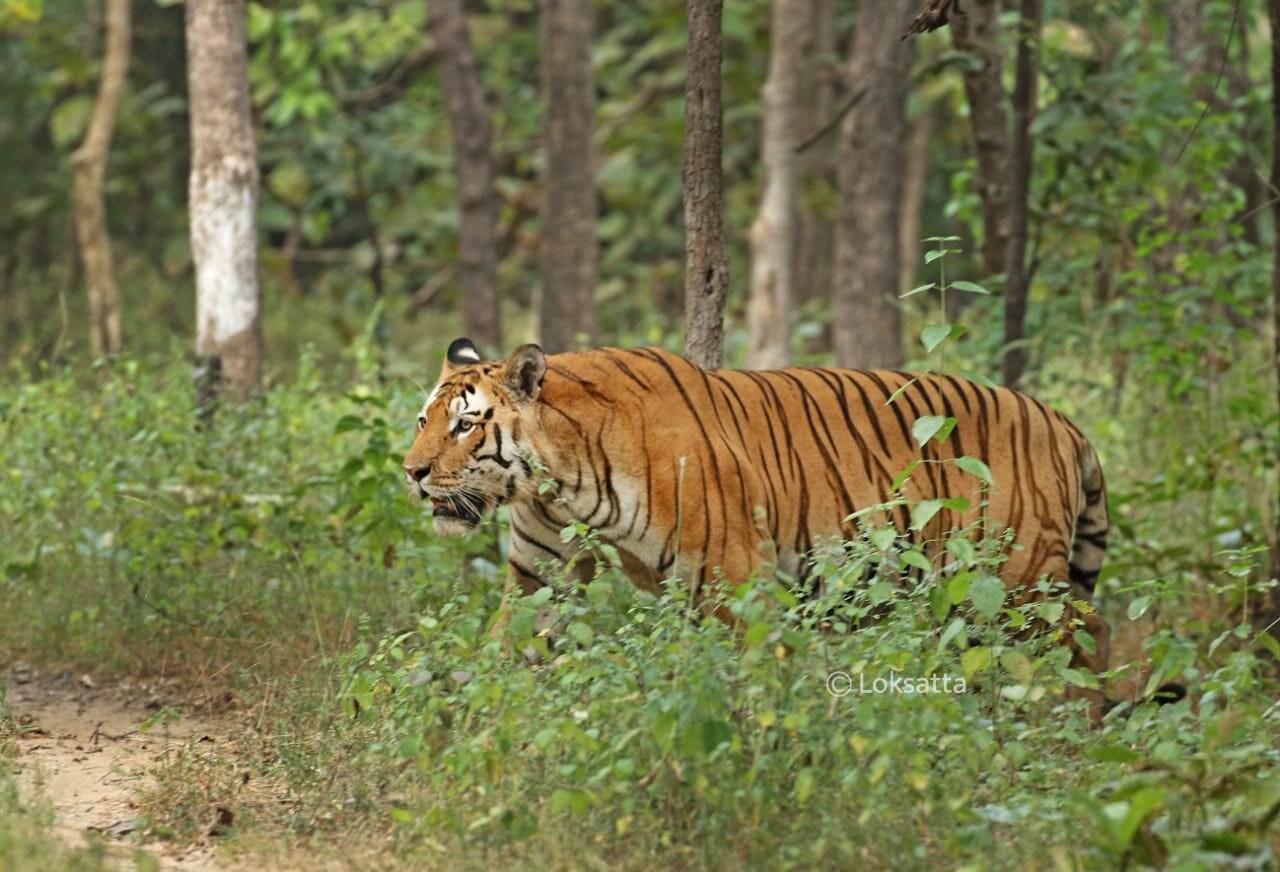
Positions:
{"x": 280, "y": 523}
{"x": 643, "y": 732}
{"x": 648, "y": 735}
{"x": 279, "y": 543}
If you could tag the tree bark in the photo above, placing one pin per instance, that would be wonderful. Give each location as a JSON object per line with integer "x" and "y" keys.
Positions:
{"x": 978, "y": 33}
{"x": 914, "y": 181}
{"x": 89, "y": 166}
{"x": 568, "y": 244}
{"x": 773, "y": 232}
{"x": 471, "y": 126}
{"x": 706, "y": 263}
{"x": 867, "y": 318}
{"x": 813, "y": 252}
{"x": 223, "y": 195}
{"x": 1024, "y": 111}
{"x": 1271, "y": 618}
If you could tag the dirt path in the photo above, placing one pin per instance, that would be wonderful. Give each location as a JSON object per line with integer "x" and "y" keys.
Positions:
{"x": 88, "y": 750}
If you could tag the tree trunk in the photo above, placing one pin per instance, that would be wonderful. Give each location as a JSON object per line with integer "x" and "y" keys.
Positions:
{"x": 706, "y": 263}
{"x": 89, "y": 165}
{"x": 978, "y": 33}
{"x": 1024, "y": 111}
{"x": 568, "y": 244}
{"x": 813, "y": 253}
{"x": 773, "y": 232}
{"x": 223, "y": 195}
{"x": 915, "y": 178}
{"x": 1201, "y": 56}
{"x": 867, "y": 318}
{"x": 1271, "y": 618}
{"x": 471, "y": 126}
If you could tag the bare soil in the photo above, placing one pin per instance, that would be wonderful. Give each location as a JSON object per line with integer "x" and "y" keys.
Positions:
{"x": 88, "y": 751}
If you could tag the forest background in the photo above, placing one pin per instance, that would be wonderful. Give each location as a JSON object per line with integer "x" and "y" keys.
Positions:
{"x": 1095, "y": 201}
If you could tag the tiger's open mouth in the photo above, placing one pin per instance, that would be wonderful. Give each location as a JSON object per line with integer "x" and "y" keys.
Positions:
{"x": 462, "y": 507}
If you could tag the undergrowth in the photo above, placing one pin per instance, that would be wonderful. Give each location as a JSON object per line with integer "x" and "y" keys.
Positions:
{"x": 377, "y": 708}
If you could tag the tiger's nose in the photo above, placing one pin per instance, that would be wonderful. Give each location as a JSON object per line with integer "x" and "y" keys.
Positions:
{"x": 415, "y": 472}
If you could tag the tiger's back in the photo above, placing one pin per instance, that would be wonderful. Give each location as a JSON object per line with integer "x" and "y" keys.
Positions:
{"x": 737, "y": 458}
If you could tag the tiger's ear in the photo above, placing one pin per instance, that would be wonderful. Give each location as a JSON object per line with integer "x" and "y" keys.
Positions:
{"x": 523, "y": 373}
{"x": 461, "y": 352}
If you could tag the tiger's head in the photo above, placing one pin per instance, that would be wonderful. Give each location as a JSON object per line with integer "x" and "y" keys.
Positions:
{"x": 471, "y": 451}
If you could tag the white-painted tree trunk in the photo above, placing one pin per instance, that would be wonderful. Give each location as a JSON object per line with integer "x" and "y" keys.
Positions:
{"x": 223, "y": 194}
{"x": 773, "y": 232}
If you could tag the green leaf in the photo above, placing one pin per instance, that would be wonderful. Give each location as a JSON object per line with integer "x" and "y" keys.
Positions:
{"x": 1138, "y": 607}
{"x": 919, "y": 290}
{"x": 1079, "y": 677}
{"x": 68, "y": 122}
{"x": 959, "y": 505}
{"x": 1016, "y": 664}
{"x": 931, "y": 256}
{"x": 882, "y": 539}
{"x": 958, "y": 587}
{"x": 969, "y": 287}
{"x": 581, "y": 633}
{"x": 804, "y": 784}
{"x": 917, "y": 559}
{"x": 1114, "y": 754}
{"x": 975, "y": 468}
{"x": 900, "y": 391}
{"x": 1268, "y": 641}
{"x": 1142, "y": 805}
{"x": 933, "y": 335}
{"x": 922, "y": 513}
{"x": 926, "y": 427}
{"x": 755, "y": 635}
{"x": 901, "y": 478}
{"x": 1085, "y": 641}
{"x": 664, "y": 730}
{"x": 881, "y": 592}
{"x": 939, "y": 602}
{"x": 954, "y": 629}
{"x": 347, "y": 423}
{"x": 975, "y": 660}
{"x": 987, "y": 595}
{"x": 978, "y": 378}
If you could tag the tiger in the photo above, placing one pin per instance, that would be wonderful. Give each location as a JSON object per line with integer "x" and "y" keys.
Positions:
{"x": 712, "y": 476}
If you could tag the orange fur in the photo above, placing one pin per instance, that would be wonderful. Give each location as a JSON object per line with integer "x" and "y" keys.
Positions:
{"x": 712, "y": 475}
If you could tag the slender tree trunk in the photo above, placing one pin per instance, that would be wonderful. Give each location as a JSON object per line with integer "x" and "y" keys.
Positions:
{"x": 568, "y": 245}
{"x": 471, "y": 126}
{"x": 978, "y": 33}
{"x": 813, "y": 253}
{"x": 1271, "y": 618}
{"x": 915, "y": 177}
{"x": 773, "y": 232}
{"x": 1200, "y": 56}
{"x": 89, "y": 166}
{"x": 1242, "y": 174}
{"x": 867, "y": 319}
{"x": 1024, "y": 111}
{"x": 706, "y": 263}
{"x": 223, "y": 195}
